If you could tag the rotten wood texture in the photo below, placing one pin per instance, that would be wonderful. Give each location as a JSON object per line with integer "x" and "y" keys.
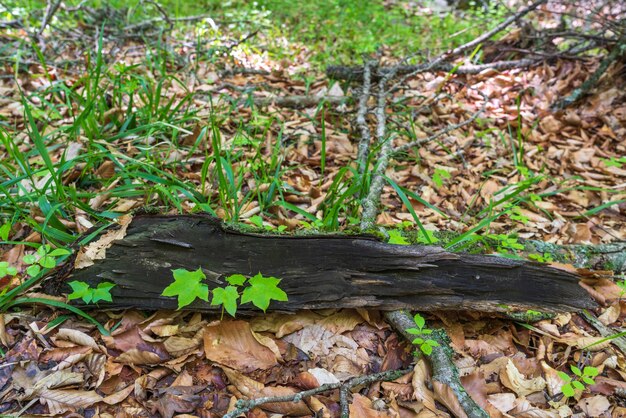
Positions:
{"x": 322, "y": 271}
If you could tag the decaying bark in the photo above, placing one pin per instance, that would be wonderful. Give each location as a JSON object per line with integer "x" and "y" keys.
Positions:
{"x": 323, "y": 271}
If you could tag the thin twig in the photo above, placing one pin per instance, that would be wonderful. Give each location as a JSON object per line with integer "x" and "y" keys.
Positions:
{"x": 404, "y": 148}
{"x": 366, "y": 135}
{"x": 245, "y": 405}
{"x": 51, "y": 9}
{"x": 371, "y": 202}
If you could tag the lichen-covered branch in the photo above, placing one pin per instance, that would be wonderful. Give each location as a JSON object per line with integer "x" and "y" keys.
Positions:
{"x": 619, "y": 342}
{"x": 445, "y": 373}
{"x": 618, "y": 50}
{"x": 361, "y": 121}
{"x": 371, "y": 202}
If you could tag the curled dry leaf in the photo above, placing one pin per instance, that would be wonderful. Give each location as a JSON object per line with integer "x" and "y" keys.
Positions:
{"x": 503, "y": 402}
{"x": 97, "y": 249}
{"x": 421, "y": 392}
{"x": 610, "y": 314}
{"x": 77, "y": 337}
{"x": 514, "y": 380}
{"x": 554, "y": 383}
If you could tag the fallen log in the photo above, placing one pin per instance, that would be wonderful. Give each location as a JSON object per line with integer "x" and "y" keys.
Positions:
{"x": 321, "y": 271}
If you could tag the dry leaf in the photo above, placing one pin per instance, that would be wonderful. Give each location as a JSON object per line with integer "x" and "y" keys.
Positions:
{"x": 514, "y": 380}
{"x": 232, "y": 344}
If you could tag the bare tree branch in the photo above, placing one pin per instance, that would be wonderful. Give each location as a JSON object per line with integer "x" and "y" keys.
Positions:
{"x": 245, "y": 405}
{"x": 361, "y": 121}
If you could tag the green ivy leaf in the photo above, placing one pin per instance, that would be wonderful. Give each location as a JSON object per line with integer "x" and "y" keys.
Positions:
{"x": 29, "y": 259}
{"x": 426, "y": 349}
{"x": 187, "y": 287}
{"x": 577, "y": 385}
{"x": 227, "y": 297}
{"x": 256, "y": 220}
{"x": 588, "y": 380}
{"x": 102, "y": 292}
{"x": 33, "y": 270}
{"x": 43, "y": 250}
{"x": 6, "y": 269}
{"x": 47, "y": 262}
{"x": 590, "y": 371}
{"x": 568, "y": 390}
{"x": 262, "y": 290}
{"x": 419, "y": 321}
{"x": 395, "y": 237}
{"x": 414, "y": 331}
{"x": 576, "y": 371}
{"x": 432, "y": 343}
{"x": 418, "y": 341}
{"x": 564, "y": 377}
{"x": 80, "y": 291}
{"x": 236, "y": 279}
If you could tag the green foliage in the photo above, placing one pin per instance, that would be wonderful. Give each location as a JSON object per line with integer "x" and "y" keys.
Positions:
{"x": 542, "y": 258}
{"x": 439, "y": 176}
{"x": 395, "y": 237}
{"x": 422, "y": 340}
{"x": 261, "y": 290}
{"x": 45, "y": 257}
{"x": 187, "y": 286}
{"x": 6, "y": 269}
{"x": 614, "y": 162}
{"x": 258, "y": 290}
{"x": 82, "y": 290}
{"x": 257, "y": 221}
{"x": 581, "y": 380}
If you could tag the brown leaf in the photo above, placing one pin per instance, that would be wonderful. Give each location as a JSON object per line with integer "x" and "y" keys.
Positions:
{"x": 514, "y": 380}
{"x": 447, "y": 397}
{"x": 361, "y": 407}
{"x": 106, "y": 170}
{"x": 233, "y": 344}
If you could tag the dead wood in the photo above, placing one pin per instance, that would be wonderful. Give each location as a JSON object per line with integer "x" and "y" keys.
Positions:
{"x": 322, "y": 271}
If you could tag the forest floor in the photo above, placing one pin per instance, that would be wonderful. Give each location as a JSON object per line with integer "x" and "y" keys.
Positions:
{"x": 105, "y": 113}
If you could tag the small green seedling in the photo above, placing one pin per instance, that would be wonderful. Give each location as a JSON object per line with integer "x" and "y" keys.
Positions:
{"x": 439, "y": 176}
{"x": 396, "y": 238}
{"x": 258, "y": 290}
{"x": 425, "y": 344}
{"x": 6, "y": 269}
{"x": 542, "y": 258}
{"x": 583, "y": 379}
{"x": 258, "y": 222}
{"x": 44, "y": 257}
{"x": 82, "y": 290}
